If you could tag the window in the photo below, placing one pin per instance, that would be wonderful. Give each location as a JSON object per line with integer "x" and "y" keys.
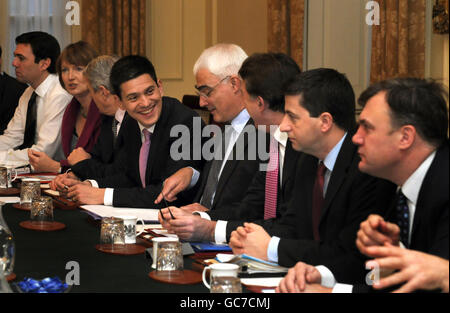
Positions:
{"x": 34, "y": 15}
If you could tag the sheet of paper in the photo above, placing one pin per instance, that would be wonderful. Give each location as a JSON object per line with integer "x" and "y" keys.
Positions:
{"x": 51, "y": 192}
{"x": 107, "y": 211}
{"x": 10, "y": 199}
{"x": 262, "y": 281}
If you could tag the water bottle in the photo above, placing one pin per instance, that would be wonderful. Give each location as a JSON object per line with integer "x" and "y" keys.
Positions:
{"x": 6, "y": 246}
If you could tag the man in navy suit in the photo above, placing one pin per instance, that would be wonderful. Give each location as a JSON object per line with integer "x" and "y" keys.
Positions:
{"x": 10, "y": 92}
{"x": 403, "y": 138}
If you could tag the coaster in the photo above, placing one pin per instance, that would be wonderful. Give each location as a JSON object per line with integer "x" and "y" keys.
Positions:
{"x": 184, "y": 277}
{"x": 9, "y": 191}
{"x": 11, "y": 277}
{"x": 42, "y": 226}
{"x": 126, "y": 249}
{"x": 23, "y": 208}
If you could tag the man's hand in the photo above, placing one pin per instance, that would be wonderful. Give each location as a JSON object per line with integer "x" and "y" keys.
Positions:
{"x": 78, "y": 155}
{"x": 187, "y": 226}
{"x": 41, "y": 162}
{"x": 84, "y": 193}
{"x": 375, "y": 231}
{"x": 175, "y": 184}
{"x": 251, "y": 239}
{"x": 297, "y": 277}
{"x": 417, "y": 270}
{"x": 194, "y": 207}
{"x": 57, "y": 183}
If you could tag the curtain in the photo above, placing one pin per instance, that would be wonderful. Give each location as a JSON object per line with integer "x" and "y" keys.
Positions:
{"x": 114, "y": 26}
{"x": 285, "y": 28}
{"x": 398, "y": 43}
{"x": 37, "y": 15}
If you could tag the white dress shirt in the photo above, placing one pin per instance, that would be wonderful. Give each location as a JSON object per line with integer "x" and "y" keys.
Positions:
{"x": 51, "y": 102}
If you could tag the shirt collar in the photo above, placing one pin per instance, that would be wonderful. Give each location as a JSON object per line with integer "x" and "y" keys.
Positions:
{"x": 331, "y": 157}
{"x": 42, "y": 89}
{"x": 281, "y": 137}
{"x": 239, "y": 122}
{"x": 413, "y": 184}
{"x": 120, "y": 114}
{"x": 150, "y": 129}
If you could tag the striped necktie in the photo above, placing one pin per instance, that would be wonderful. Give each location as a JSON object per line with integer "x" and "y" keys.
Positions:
{"x": 271, "y": 190}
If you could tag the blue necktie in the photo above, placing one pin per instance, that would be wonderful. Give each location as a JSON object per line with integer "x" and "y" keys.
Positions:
{"x": 403, "y": 218}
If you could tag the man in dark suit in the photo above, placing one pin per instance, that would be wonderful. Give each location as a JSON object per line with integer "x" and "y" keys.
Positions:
{"x": 225, "y": 179}
{"x": 331, "y": 195}
{"x": 10, "y": 92}
{"x": 147, "y": 154}
{"x": 403, "y": 138}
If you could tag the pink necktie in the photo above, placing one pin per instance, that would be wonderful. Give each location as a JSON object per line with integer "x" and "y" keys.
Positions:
{"x": 270, "y": 203}
{"x": 143, "y": 155}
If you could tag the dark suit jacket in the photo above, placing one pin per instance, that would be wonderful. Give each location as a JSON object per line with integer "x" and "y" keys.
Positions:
{"x": 251, "y": 208}
{"x": 431, "y": 224}
{"x": 128, "y": 191}
{"x": 10, "y": 92}
{"x": 104, "y": 155}
{"x": 236, "y": 175}
{"x": 351, "y": 196}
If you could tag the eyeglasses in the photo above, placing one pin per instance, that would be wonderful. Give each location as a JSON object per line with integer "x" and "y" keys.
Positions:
{"x": 208, "y": 93}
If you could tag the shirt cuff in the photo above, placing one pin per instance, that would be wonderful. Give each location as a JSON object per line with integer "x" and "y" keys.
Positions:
{"x": 194, "y": 179}
{"x": 203, "y": 215}
{"x": 328, "y": 279}
{"x": 272, "y": 249}
{"x": 93, "y": 183}
{"x": 342, "y": 288}
{"x": 220, "y": 232}
{"x": 108, "y": 197}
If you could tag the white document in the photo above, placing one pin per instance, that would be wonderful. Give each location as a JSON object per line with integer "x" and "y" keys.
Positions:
{"x": 262, "y": 281}
{"x": 108, "y": 211}
{"x": 10, "y": 199}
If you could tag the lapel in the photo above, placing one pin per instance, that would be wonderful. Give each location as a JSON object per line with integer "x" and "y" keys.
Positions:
{"x": 2, "y": 88}
{"x": 340, "y": 171}
{"x": 290, "y": 159}
{"x": 231, "y": 165}
{"x": 157, "y": 138}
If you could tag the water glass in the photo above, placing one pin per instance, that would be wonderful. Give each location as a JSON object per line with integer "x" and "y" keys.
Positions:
{"x": 170, "y": 257}
{"x": 42, "y": 209}
{"x": 29, "y": 190}
{"x": 112, "y": 231}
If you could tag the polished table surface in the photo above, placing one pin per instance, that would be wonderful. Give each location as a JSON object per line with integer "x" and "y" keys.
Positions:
{"x": 45, "y": 254}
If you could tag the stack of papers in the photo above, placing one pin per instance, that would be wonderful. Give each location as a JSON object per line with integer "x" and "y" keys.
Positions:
{"x": 100, "y": 211}
{"x": 251, "y": 265}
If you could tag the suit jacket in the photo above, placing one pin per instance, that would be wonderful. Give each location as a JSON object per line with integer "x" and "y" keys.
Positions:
{"x": 10, "y": 92}
{"x": 236, "y": 175}
{"x": 431, "y": 224}
{"x": 104, "y": 159}
{"x": 351, "y": 196}
{"x": 128, "y": 191}
{"x": 251, "y": 208}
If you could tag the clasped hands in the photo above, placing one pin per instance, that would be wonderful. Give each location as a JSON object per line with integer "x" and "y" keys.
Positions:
{"x": 71, "y": 187}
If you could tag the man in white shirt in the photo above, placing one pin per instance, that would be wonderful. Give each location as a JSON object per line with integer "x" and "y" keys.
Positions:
{"x": 38, "y": 128}
{"x": 402, "y": 137}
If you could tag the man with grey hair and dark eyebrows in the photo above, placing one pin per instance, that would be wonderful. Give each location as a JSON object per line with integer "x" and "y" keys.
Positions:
{"x": 101, "y": 159}
{"x": 224, "y": 180}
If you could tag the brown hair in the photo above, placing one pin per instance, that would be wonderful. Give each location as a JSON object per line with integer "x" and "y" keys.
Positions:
{"x": 79, "y": 53}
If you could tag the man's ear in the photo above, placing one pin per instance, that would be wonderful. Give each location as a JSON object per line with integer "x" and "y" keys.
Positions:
{"x": 236, "y": 83}
{"x": 160, "y": 87}
{"x": 44, "y": 64}
{"x": 326, "y": 121}
{"x": 408, "y": 136}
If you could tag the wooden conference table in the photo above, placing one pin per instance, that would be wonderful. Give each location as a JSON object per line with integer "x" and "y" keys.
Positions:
{"x": 46, "y": 254}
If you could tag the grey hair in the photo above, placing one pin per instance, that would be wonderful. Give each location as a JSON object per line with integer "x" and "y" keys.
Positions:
{"x": 221, "y": 60}
{"x": 98, "y": 71}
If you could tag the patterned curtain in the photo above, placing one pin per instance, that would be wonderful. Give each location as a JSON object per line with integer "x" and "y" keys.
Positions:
{"x": 285, "y": 28}
{"x": 114, "y": 26}
{"x": 398, "y": 43}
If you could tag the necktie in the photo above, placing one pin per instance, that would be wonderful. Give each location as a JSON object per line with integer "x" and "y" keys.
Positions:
{"x": 403, "y": 218}
{"x": 114, "y": 130}
{"x": 143, "y": 155}
{"x": 271, "y": 190}
{"x": 317, "y": 200}
{"x": 213, "y": 175}
{"x": 30, "y": 125}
